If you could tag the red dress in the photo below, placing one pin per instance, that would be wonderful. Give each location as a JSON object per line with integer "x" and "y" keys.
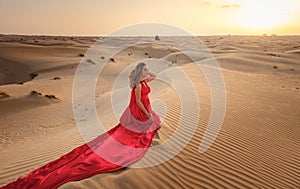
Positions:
{"x": 119, "y": 147}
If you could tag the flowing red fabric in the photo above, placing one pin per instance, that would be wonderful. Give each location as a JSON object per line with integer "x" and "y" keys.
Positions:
{"x": 119, "y": 147}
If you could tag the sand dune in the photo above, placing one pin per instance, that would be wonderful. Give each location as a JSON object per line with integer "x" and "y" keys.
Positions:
{"x": 32, "y": 100}
{"x": 257, "y": 147}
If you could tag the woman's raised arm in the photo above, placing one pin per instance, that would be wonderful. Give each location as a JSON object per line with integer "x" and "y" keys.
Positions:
{"x": 150, "y": 77}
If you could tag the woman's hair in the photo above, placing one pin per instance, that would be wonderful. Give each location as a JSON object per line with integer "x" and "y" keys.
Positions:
{"x": 136, "y": 74}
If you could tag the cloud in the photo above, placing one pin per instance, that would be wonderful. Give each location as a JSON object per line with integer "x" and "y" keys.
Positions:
{"x": 205, "y": 3}
{"x": 230, "y": 6}
{"x": 221, "y": 3}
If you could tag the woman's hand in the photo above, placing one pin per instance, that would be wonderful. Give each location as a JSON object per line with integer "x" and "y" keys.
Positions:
{"x": 151, "y": 76}
{"x": 149, "y": 115}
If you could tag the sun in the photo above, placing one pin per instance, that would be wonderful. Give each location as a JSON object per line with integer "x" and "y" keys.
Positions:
{"x": 263, "y": 14}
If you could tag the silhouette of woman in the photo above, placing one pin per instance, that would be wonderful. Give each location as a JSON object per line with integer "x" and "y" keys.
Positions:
{"x": 118, "y": 148}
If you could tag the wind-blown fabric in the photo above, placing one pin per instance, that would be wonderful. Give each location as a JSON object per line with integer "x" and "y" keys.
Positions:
{"x": 118, "y": 148}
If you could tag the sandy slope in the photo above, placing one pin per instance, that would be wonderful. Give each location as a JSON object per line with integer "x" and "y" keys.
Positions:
{"x": 257, "y": 147}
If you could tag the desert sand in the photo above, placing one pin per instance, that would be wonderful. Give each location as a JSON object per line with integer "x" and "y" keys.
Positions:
{"x": 257, "y": 146}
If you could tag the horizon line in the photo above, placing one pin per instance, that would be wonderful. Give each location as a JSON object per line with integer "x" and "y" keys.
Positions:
{"x": 198, "y": 35}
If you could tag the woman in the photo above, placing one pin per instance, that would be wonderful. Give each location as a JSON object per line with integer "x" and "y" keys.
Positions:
{"x": 119, "y": 147}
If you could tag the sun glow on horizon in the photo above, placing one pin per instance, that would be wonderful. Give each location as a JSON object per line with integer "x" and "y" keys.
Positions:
{"x": 265, "y": 14}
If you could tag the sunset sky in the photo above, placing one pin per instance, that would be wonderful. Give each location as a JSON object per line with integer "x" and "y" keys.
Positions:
{"x": 198, "y": 17}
